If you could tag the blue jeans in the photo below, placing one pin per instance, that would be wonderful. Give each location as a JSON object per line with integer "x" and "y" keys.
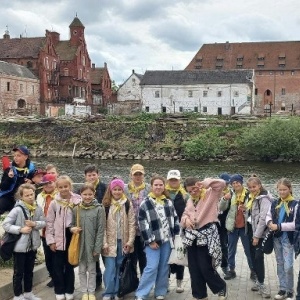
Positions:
{"x": 156, "y": 272}
{"x": 112, "y": 271}
{"x": 233, "y": 238}
{"x": 284, "y": 253}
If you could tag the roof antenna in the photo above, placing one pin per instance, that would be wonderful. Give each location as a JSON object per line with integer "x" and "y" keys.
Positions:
{"x": 6, "y": 31}
{"x": 76, "y": 14}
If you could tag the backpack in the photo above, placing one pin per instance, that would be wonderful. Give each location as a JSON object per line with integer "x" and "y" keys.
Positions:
{"x": 127, "y": 205}
{"x": 9, "y": 240}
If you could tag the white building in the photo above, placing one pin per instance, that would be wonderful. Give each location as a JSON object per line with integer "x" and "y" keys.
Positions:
{"x": 130, "y": 90}
{"x": 215, "y": 92}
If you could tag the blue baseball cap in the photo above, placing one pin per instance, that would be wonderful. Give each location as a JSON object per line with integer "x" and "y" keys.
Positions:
{"x": 22, "y": 149}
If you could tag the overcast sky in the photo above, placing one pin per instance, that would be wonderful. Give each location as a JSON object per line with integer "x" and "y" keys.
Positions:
{"x": 153, "y": 34}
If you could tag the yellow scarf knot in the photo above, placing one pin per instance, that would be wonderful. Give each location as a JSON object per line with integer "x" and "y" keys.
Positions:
{"x": 240, "y": 198}
{"x": 251, "y": 199}
{"x": 26, "y": 170}
{"x": 176, "y": 191}
{"x": 118, "y": 203}
{"x": 135, "y": 190}
{"x": 200, "y": 197}
{"x": 82, "y": 205}
{"x": 52, "y": 195}
{"x": 159, "y": 199}
{"x": 65, "y": 203}
{"x": 285, "y": 203}
{"x": 31, "y": 208}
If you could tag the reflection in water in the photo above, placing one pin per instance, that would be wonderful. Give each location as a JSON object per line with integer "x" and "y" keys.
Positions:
{"x": 269, "y": 173}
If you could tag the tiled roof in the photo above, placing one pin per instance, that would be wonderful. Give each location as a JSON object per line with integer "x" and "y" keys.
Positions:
{"x": 15, "y": 70}
{"x": 196, "y": 77}
{"x": 76, "y": 23}
{"x": 65, "y": 50}
{"x": 97, "y": 75}
{"x": 21, "y": 47}
{"x": 274, "y": 55}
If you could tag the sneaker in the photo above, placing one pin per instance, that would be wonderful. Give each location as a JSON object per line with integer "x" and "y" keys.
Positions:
{"x": 223, "y": 293}
{"x": 21, "y": 297}
{"x": 225, "y": 270}
{"x": 138, "y": 298}
{"x": 255, "y": 287}
{"x": 69, "y": 296}
{"x": 280, "y": 295}
{"x": 253, "y": 276}
{"x": 230, "y": 275}
{"x": 85, "y": 297}
{"x": 264, "y": 291}
{"x": 106, "y": 298}
{"x": 60, "y": 297}
{"x": 31, "y": 296}
{"x": 91, "y": 297}
{"x": 289, "y": 296}
{"x": 160, "y": 297}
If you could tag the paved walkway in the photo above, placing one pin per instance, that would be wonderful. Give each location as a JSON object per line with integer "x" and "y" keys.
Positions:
{"x": 239, "y": 288}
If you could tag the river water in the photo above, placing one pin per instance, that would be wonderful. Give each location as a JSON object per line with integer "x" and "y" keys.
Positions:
{"x": 269, "y": 173}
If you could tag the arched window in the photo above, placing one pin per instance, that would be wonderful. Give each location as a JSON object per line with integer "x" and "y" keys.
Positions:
{"x": 21, "y": 103}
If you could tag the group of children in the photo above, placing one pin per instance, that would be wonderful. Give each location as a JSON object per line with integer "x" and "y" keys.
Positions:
{"x": 141, "y": 220}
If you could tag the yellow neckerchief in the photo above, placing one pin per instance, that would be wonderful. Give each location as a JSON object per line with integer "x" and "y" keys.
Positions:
{"x": 240, "y": 198}
{"x": 200, "y": 197}
{"x": 118, "y": 203}
{"x": 52, "y": 195}
{"x": 135, "y": 190}
{"x": 96, "y": 183}
{"x": 65, "y": 203}
{"x": 30, "y": 207}
{"x": 285, "y": 202}
{"x": 176, "y": 191}
{"x": 86, "y": 206}
{"x": 26, "y": 170}
{"x": 226, "y": 190}
{"x": 251, "y": 199}
{"x": 159, "y": 199}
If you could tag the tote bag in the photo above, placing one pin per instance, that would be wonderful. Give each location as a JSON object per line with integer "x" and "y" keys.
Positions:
{"x": 74, "y": 248}
{"x": 178, "y": 254}
{"x": 268, "y": 242}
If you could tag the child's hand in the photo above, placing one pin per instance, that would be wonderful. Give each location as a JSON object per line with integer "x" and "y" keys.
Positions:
{"x": 30, "y": 223}
{"x": 255, "y": 241}
{"x": 227, "y": 196}
{"x": 26, "y": 229}
{"x": 273, "y": 227}
{"x": 75, "y": 229}
{"x": 189, "y": 224}
{"x": 53, "y": 247}
{"x": 105, "y": 249}
{"x": 10, "y": 173}
{"x": 126, "y": 248}
{"x": 95, "y": 254}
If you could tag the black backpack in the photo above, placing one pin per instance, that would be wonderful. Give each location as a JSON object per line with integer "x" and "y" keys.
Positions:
{"x": 9, "y": 240}
{"x": 127, "y": 205}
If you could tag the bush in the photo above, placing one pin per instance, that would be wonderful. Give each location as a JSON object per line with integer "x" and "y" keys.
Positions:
{"x": 206, "y": 145}
{"x": 273, "y": 139}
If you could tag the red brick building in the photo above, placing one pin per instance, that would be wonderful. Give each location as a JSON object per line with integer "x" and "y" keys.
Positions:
{"x": 63, "y": 67}
{"x": 101, "y": 86}
{"x": 276, "y": 64}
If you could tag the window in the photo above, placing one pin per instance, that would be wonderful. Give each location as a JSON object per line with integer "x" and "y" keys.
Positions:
{"x": 180, "y": 109}
{"x": 219, "y": 93}
{"x": 198, "y": 67}
{"x": 49, "y": 94}
{"x": 21, "y": 88}
{"x": 292, "y": 72}
{"x": 163, "y": 109}
{"x": 256, "y": 92}
{"x": 83, "y": 60}
{"x": 54, "y": 65}
{"x": 66, "y": 72}
{"x": 204, "y": 109}
{"x": 205, "y": 93}
{"x": 70, "y": 90}
{"x": 236, "y": 93}
{"x": 8, "y": 86}
{"x": 190, "y": 94}
{"x": 147, "y": 108}
{"x": 195, "y": 108}
{"x": 281, "y": 64}
{"x": 80, "y": 73}
{"x": 283, "y": 91}
{"x": 46, "y": 61}
{"x": 29, "y": 64}
{"x": 133, "y": 80}
{"x": 21, "y": 103}
{"x": 156, "y": 94}
{"x": 33, "y": 90}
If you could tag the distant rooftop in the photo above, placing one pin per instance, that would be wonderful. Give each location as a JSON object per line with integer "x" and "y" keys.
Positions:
{"x": 15, "y": 70}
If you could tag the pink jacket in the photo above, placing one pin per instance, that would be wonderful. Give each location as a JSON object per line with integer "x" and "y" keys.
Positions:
{"x": 58, "y": 219}
{"x": 206, "y": 210}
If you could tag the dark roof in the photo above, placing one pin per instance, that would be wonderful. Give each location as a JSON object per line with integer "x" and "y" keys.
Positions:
{"x": 76, "y": 23}
{"x": 65, "y": 50}
{"x": 21, "y": 47}
{"x": 196, "y": 77}
{"x": 248, "y": 55}
{"x": 97, "y": 75}
{"x": 15, "y": 70}
{"x": 140, "y": 76}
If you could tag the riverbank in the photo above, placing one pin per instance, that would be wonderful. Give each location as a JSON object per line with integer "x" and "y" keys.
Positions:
{"x": 139, "y": 138}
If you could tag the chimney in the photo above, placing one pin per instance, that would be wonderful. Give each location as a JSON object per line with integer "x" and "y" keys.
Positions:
{"x": 6, "y": 34}
{"x": 93, "y": 66}
{"x": 105, "y": 65}
{"x": 132, "y": 71}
